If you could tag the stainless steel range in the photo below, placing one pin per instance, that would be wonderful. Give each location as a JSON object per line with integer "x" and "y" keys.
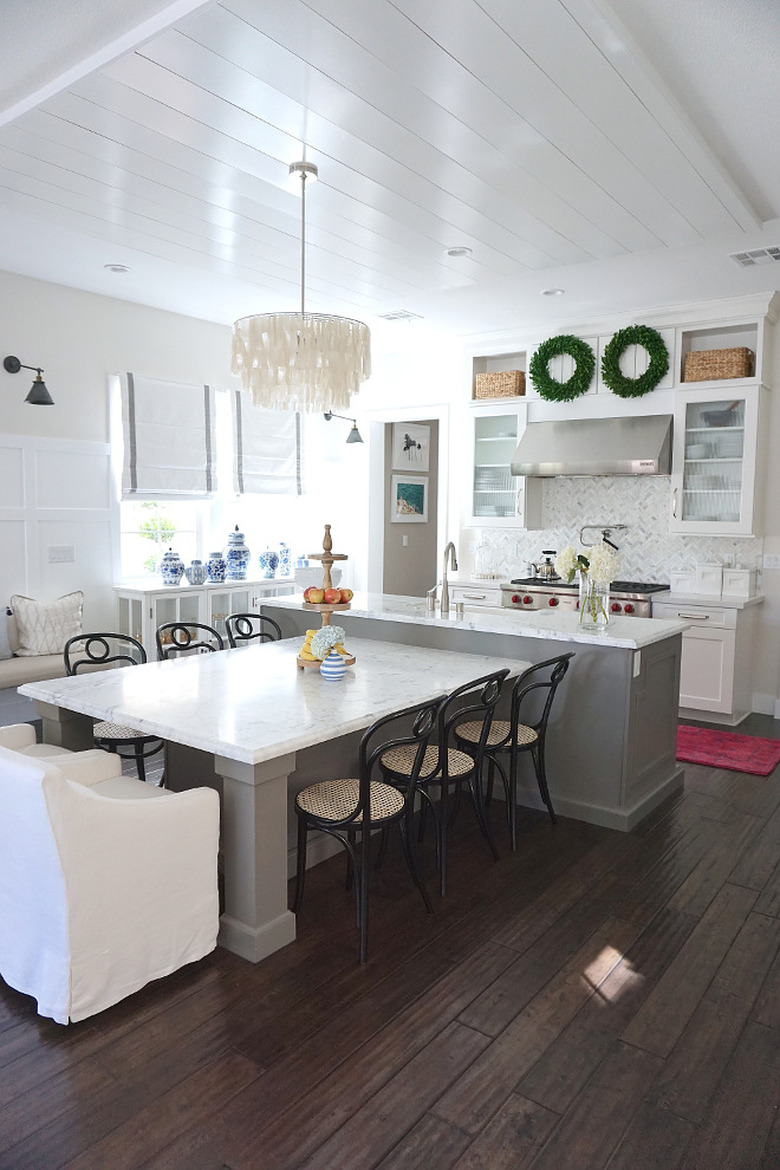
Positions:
{"x": 632, "y": 598}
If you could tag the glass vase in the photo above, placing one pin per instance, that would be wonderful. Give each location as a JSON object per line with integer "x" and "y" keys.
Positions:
{"x": 593, "y": 604}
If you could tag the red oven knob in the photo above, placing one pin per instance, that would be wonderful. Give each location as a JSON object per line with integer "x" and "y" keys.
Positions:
{"x": 553, "y": 601}
{"x": 528, "y": 600}
{"x": 615, "y": 607}
{"x": 514, "y": 599}
{"x": 628, "y": 607}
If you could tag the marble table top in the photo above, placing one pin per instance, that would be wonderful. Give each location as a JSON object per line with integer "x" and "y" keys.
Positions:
{"x": 626, "y": 633}
{"x": 254, "y": 704}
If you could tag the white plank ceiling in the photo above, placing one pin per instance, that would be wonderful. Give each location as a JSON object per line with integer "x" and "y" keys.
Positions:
{"x": 619, "y": 151}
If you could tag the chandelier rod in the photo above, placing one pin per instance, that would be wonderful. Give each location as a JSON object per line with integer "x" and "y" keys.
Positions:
{"x": 303, "y": 238}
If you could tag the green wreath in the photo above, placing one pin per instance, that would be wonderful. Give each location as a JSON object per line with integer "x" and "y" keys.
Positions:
{"x": 650, "y": 340}
{"x": 584, "y": 367}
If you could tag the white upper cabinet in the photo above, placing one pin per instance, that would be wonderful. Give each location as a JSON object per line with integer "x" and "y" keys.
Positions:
{"x": 714, "y": 462}
{"x": 497, "y": 498}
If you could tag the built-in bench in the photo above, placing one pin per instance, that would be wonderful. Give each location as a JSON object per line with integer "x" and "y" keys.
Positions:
{"x": 16, "y": 671}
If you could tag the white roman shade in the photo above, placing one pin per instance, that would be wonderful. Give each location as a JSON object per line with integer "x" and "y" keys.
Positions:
{"x": 267, "y": 449}
{"x": 169, "y": 439}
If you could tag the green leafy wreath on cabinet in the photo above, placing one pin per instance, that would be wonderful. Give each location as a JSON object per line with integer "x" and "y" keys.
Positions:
{"x": 584, "y": 367}
{"x": 651, "y": 341}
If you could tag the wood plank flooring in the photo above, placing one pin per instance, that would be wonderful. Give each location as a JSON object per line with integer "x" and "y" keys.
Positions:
{"x": 597, "y": 999}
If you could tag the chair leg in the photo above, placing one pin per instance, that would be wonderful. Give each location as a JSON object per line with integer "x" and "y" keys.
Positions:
{"x": 362, "y": 885}
{"x": 300, "y": 875}
{"x": 541, "y": 779}
{"x": 382, "y": 847}
{"x": 479, "y": 809}
{"x": 406, "y": 825}
{"x": 139, "y": 761}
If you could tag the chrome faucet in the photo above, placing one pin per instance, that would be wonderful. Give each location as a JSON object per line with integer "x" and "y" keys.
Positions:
{"x": 451, "y": 556}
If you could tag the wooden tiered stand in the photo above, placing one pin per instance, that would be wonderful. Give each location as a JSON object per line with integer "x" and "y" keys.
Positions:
{"x": 326, "y": 608}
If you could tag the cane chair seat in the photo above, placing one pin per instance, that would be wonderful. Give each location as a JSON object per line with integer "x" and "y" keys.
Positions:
{"x": 117, "y": 732}
{"x": 337, "y": 800}
{"x": 500, "y": 732}
{"x": 398, "y": 762}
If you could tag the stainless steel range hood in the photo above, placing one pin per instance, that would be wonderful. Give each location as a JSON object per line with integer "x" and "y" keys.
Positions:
{"x": 596, "y": 446}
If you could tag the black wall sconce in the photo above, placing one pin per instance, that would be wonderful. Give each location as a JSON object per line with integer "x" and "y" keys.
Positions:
{"x": 354, "y": 435}
{"x": 39, "y": 395}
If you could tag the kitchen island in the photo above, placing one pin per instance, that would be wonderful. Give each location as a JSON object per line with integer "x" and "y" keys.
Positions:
{"x": 611, "y": 746}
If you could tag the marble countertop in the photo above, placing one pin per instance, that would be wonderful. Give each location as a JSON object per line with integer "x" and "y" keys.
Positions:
{"x": 683, "y": 599}
{"x": 629, "y": 633}
{"x": 254, "y": 704}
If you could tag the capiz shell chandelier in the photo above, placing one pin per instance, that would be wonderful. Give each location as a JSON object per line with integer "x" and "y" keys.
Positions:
{"x": 301, "y": 361}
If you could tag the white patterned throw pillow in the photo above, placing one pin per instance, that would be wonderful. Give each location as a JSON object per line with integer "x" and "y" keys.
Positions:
{"x": 44, "y": 627}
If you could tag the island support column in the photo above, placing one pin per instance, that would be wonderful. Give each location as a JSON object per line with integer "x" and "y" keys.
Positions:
{"x": 256, "y": 920}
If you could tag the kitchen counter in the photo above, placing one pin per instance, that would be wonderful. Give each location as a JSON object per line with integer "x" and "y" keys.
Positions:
{"x": 683, "y": 599}
{"x": 611, "y": 746}
{"x": 628, "y": 633}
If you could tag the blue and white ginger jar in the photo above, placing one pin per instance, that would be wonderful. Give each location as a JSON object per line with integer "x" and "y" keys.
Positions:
{"x": 285, "y": 560}
{"x": 171, "y": 568}
{"x": 216, "y": 567}
{"x": 268, "y": 561}
{"x": 236, "y": 556}
{"x": 196, "y": 573}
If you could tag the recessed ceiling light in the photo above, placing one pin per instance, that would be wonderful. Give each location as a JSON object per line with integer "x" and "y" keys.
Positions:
{"x": 461, "y": 251}
{"x": 116, "y": 267}
{"x": 553, "y": 292}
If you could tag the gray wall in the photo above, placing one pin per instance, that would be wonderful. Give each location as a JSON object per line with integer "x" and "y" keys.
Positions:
{"x": 410, "y": 569}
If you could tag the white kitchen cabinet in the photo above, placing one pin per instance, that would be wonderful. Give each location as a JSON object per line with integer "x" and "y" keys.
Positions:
{"x": 483, "y": 594}
{"x": 715, "y": 676}
{"x": 715, "y": 458}
{"x": 141, "y": 608}
{"x": 499, "y": 499}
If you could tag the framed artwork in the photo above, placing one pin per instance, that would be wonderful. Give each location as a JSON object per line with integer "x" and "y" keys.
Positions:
{"x": 411, "y": 446}
{"x": 410, "y": 499}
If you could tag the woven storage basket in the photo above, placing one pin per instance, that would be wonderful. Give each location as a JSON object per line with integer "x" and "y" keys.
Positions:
{"x": 501, "y": 384}
{"x": 707, "y": 365}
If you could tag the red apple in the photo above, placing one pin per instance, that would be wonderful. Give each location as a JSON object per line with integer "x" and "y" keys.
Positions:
{"x": 307, "y": 591}
{"x": 346, "y": 595}
{"x": 316, "y": 595}
{"x": 332, "y": 596}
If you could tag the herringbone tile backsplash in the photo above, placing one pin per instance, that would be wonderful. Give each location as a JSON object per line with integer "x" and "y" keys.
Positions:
{"x": 647, "y": 550}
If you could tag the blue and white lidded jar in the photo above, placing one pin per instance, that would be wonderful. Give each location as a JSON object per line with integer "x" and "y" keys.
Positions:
{"x": 216, "y": 567}
{"x": 236, "y": 556}
{"x": 171, "y": 568}
{"x": 285, "y": 560}
{"x": 196, "y": 573}
{"x": 333, "y": 667}
{"x": 269, "y": 561}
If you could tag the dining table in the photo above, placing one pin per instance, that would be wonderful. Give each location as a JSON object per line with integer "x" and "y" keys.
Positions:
{"x": 254, "y": 725}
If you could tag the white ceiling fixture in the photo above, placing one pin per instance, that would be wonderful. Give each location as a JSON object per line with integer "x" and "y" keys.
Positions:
{"x": 755, "y": 256}
{"x": 301, "y": 361}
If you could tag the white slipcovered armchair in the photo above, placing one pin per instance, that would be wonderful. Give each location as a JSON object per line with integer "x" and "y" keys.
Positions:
{"x": 105, "y": 882}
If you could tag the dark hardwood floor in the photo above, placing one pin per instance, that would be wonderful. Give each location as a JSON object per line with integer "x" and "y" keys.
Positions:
{"x": 596, "y": 1000}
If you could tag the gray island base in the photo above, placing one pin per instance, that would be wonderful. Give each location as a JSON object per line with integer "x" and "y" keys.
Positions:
{"x": 612, "y": 738}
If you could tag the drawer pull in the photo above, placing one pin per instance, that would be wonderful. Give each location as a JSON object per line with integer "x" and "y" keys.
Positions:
{"x": 694, "y": 617}
{"x": 474, "y": 596}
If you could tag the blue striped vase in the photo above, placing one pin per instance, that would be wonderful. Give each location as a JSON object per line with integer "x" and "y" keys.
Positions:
{"x": 333, "y": 667}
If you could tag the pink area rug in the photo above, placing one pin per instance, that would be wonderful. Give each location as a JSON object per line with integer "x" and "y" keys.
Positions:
{"x": 726, "y": 749}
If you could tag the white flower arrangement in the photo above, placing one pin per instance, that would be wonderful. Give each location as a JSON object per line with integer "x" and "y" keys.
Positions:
{"x": 325, "y": 639}
{"x": 599, "y": 562}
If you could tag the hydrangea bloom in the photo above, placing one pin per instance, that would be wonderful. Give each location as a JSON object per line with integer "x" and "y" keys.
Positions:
{"x": 599, "y": 561}
{"x": 325, "y": 639}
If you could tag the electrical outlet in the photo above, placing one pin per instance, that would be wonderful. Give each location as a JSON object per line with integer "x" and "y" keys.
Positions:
{"x": 61, "y": 554}
{"x": 771, "y": 561}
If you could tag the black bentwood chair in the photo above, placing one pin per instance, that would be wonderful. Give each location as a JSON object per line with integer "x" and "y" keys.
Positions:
{"x": 532, "y": 695}
{"x": 251, "y": 627}
{"x": 98, "y": 652}
{"x": 449, "y": 764}
{"x": 344, "y": 808}
{"x": 175, "y": 638}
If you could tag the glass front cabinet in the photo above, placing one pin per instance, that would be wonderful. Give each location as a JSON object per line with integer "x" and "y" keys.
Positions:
{"x": 499, "y": 499}
{"x": 716, "y": 433}
{"x": 141, "y": 608}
